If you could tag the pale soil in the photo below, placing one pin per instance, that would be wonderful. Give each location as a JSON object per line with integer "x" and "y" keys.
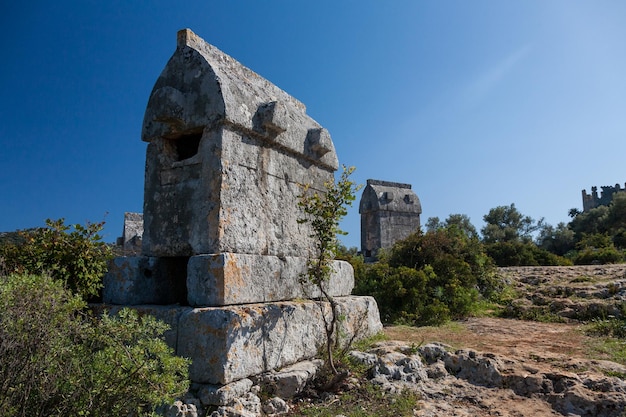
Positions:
{"x": 528, "y": 349}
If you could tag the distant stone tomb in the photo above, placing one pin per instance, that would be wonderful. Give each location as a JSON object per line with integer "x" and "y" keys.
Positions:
{"x": 223, "y": 252}
{"x": 130, "y": 241}
{"x": 390, "y": 211}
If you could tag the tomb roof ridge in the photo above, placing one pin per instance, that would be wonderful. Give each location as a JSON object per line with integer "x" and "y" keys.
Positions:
{"x": 388, "y": 183}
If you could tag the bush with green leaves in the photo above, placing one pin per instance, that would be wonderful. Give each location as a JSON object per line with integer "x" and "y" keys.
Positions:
{"x": 522, "y": 254}
{"x": 597, "y": 249}
{"x": 429, "y": 278}
{"x": 77, "y": 257}
{"x": 56, "y": 360}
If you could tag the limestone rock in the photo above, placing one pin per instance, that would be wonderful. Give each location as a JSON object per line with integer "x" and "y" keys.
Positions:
{"x": 224, "y": 394}
{"x": 216, "y": 280}
{"x": 291, "y": 380}
{"x": 248, "y": 405}
{"x": 227, "y": 150}
{"x": 230, "y": 343}
{"x": 180, "y": 409}
{"x": 145, "y": 280}
{"x": 275, "y": 406}
{"x": 229, "y": 278}
{"x": 396, "y": 366}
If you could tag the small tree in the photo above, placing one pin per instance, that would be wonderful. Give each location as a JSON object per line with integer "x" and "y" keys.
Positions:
{"x": 558, "y": 240}
{"x": 460, "y": 221}
{"x": 507, "y": 224}
{"x": 324, "y": 211}
{"x": 77, "y": 257}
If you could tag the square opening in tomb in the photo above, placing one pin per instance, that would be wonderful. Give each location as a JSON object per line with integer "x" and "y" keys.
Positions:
{"x": 185, "y": 146}
{"x": 169, "y": 277}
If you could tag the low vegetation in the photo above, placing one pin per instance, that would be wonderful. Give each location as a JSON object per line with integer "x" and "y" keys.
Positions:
{"x": 429, "y": 278}
{"x": 364, "y": 400}
{"x": 56, "y": 359}
{"x": 59, "y": 360}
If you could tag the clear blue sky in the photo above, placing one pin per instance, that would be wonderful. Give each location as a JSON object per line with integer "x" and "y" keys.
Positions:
{"x": 477, "y": 104}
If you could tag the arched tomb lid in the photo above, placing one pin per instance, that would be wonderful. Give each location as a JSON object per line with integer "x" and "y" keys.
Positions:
{"x": 389, "y": 196}
{"x": 202, "y": 86}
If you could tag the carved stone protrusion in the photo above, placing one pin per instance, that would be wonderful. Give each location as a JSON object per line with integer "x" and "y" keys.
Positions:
{"x": 318, "y": 141}
{"x": 274, "y": 117}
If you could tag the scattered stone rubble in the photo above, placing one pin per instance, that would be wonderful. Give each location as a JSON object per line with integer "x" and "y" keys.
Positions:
{"x": 444, "y": 378}
{"x": 451, "y": 383}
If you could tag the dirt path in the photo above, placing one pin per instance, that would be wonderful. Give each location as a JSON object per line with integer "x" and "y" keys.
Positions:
{"x": 525, "y": 351}
{"x": 500, "y": 336}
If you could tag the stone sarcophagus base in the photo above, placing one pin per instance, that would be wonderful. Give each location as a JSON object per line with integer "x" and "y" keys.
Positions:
{"x": 216, "y": 280}
{"x": 234, "y": 342}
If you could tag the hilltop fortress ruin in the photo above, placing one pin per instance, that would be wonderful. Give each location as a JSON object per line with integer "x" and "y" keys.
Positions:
{"x": 592, "y": 200}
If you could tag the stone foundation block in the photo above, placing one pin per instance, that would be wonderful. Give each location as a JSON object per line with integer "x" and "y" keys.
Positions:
{"x": 235, "y": 342}
{"x": 135, "y": 280}
{"x": 229, "y": 278}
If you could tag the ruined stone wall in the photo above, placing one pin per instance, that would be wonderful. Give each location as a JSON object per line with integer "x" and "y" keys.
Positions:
{"x": 592, "y": 200}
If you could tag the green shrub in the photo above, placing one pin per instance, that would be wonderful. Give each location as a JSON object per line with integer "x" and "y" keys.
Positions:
{"x": 613, "y": 327}
{"x": 429, "y": 278}
{"x": 596, "y": 248}
{"x": 591, "y": 256}
{"x": 522, "y": 254}
{"x": 55, "y": 360}
{"x": 78, "y": 257}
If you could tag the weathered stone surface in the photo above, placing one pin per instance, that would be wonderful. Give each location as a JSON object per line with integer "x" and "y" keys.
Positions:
{"x": 130, "y": 241}
{"x": 180, "y": 409}
{"x": 248, "y": 405}
{"x": 145, "y": 280}
{"x": 291, "y": 380}
{"x": 227, "y": 154}
{"x": 224, "y": 394}
{"x": 396, "y": 366}
{"x": 275, "y": 406}
{"x": 227, "y": 150}
{"x": 230, "y": 343}
{"x": 215, "y": 280}
{"x": 229, "y": 278}
{"x": 390, "y": 211}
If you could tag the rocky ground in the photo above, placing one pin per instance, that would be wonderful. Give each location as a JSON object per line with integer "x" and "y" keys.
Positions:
{"x": 509, "y": 367}
{"x": 569, "y": 292}
{"x": 477, "y": 367}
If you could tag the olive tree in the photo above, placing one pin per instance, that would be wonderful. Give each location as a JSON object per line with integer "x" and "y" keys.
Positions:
{"x": 507, "y": 224}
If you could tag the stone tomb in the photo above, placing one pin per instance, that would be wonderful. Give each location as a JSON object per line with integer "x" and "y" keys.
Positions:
{"x": 390, "y": 211}
{"x": 222, "y": 250}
